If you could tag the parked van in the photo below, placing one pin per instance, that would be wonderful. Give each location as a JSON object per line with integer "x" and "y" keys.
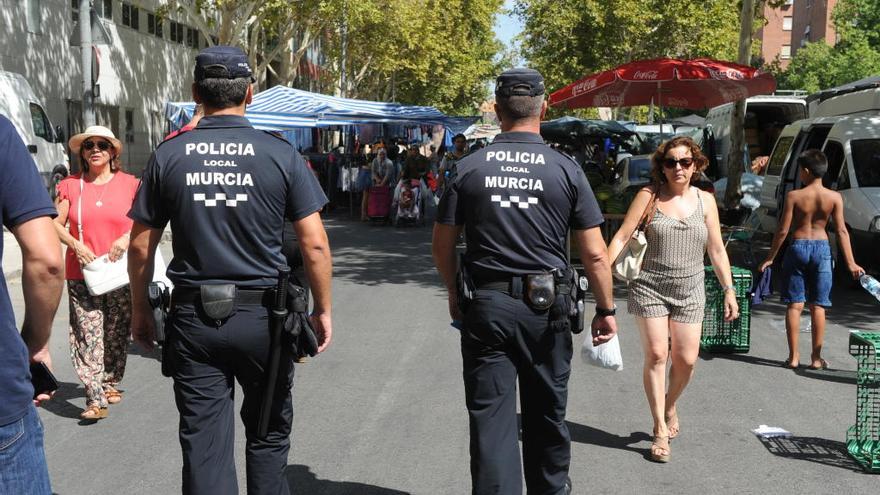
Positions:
{"x": 20, "y": 105}
{"x": 765, "y": 117}
{"x": 852, "y": 145}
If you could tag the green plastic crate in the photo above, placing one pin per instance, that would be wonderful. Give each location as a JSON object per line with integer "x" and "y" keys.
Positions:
{"x": 863, "y": 438}
{"x": 727, "y": 336}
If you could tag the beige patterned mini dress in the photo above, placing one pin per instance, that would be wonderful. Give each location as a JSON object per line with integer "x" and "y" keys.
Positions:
{"x": 671, "y": 280}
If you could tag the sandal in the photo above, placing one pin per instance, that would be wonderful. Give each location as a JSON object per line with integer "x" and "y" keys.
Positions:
{"x": 672, "y": 425}
{"x": 658, "y": 446}
{"x": 823, "y": 365}
{"x": 113, "y": 396}
{"x": 94, "y": 412}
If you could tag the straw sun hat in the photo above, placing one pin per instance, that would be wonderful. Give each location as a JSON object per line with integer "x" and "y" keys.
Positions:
{"x": 95, "y": 131}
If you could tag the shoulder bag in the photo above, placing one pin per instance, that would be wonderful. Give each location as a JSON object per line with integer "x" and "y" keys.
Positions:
{"x": 628, "y": 264}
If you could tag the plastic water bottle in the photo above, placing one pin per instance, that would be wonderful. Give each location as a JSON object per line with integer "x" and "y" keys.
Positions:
{"x": 871, "y": 285}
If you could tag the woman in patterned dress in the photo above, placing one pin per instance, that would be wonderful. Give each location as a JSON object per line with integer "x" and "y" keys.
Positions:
{"x": 668, "y": 297}
{"x": 101, "y": 196}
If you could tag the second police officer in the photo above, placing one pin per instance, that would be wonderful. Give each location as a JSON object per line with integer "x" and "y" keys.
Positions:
{"x": 227, "y": 189}
{"x": 517, "y": 200}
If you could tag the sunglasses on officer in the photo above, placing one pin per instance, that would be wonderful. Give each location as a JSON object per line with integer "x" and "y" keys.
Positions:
{"x": 102, "y": 145}
{"x": 686, "y": 162}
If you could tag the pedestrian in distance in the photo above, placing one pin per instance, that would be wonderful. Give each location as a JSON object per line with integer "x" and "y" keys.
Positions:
{"x": 806, "y": 267}
{"x": 227, "y": 226}
{"x": 517, "y": 298}
{"x": 27, "y": 211}
{"x": 91, "y": 222}
{"x": 450, "y": 159}
{"x": 681, "y": 225}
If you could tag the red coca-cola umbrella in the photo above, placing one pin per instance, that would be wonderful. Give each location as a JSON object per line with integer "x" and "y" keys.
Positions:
{"x": 693, "y": 84}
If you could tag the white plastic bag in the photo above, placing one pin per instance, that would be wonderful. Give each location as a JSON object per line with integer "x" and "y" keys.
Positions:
{"x": 606, "y": 355}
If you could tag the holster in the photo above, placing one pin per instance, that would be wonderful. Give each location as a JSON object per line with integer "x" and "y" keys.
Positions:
{"x": 570, "y": 293}
{"x": 464, "y": 286}
{"x": 159, "y": 298}
{"x": 298, "y": 330}
{"x": 218, "y": 301}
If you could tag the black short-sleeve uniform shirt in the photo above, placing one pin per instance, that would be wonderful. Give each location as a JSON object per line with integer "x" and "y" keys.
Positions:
{"x": 226, "y": 188}
{"x": 517, "y": 199}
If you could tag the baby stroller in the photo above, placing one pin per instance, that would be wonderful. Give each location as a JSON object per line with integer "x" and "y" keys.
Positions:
{"x": 408, "y": 203}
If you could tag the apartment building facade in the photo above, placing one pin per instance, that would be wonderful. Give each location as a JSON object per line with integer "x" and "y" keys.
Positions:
{"x": 147, "y": 62}
{"x": 793, "y": 25}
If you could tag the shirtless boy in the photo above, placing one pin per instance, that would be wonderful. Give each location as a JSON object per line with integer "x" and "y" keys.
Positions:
{"x": 806, "y": 269}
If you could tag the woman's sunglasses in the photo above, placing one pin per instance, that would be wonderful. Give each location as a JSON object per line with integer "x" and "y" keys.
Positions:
{"x": 685, "y": 162}
{"x": 102, "y": 145}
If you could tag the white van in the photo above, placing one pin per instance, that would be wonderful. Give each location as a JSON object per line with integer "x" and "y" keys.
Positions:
{"x": 765, "y": 117}
{"x": 852, "y": 145}
{"x": 20, "y": 105}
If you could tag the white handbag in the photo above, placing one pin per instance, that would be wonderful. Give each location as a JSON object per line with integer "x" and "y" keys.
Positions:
{"x": 628, "y": 264}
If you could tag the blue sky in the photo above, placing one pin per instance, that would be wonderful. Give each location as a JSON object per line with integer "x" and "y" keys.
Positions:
{"x": 507, "y": 26}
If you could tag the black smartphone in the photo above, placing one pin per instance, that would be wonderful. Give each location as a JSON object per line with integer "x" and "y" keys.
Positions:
{"x": 43, "y": 380}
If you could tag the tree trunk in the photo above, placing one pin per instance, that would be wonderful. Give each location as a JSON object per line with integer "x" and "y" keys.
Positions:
{"x": 735, "y": 162}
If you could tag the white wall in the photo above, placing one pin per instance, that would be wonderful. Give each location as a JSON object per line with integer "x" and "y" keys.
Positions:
{"x": 138, "y": 70}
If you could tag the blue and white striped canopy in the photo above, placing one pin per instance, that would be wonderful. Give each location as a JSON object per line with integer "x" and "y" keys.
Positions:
{"x": 281, "y": 108}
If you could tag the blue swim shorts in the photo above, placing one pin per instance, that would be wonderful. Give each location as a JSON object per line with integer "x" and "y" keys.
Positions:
{"x": 807, "y": 272}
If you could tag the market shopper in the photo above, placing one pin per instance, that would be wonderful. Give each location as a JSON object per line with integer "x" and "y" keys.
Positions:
{"x": 668, "y": 297}
{"x": 27, "y": 211}
{"x": 91, "y": 222}
{"x": 450, "y": 160}
{"x": 227, "y": 232}
{"x": 517, "y": 216}
{"x": 806, "y": 271}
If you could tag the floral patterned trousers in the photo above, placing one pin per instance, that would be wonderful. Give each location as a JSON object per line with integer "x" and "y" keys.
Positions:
{"x": 99, "y": 331}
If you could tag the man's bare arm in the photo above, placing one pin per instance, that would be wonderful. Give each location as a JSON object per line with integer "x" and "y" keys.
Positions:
{"x": 315, "y": 248}
{"x": 781, "y": 231}
{"x": 594, "y": 256}
{"x": 843, "y": 237}
{"x": 141, "y": 252}
{"x": 443, "y": 251}
{"x": 42, "y": 280}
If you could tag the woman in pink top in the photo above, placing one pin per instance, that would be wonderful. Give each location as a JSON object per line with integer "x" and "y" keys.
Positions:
{"x": 99, "y": 325}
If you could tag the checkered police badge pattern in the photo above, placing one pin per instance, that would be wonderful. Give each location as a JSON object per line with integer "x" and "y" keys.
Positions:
{"x": 220, "y": 197}
{"x": 514, "y": 200}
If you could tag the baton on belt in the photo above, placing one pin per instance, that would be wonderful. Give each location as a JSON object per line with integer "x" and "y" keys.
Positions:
{"x": 276, "y": 327}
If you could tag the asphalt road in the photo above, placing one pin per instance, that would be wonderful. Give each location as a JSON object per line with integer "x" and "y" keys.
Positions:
{"x": 382, "y": 411}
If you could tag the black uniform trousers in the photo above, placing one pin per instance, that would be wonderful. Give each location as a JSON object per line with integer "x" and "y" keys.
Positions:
{"x": 206, "y": 358}
{"x": 504, "y": 340}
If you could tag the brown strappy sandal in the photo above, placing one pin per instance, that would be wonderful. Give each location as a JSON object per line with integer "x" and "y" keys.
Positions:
{"x": 94, "y": 412}
{"x": 659, "y": 445}
{"x": 113, "y": 396}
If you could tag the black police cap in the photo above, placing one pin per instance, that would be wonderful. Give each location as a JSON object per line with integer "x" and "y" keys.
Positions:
{"x": 222, "y": 62}
{"x": 519, "y": 82}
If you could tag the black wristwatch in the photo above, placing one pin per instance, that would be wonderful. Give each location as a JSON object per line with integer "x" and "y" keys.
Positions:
{"x": 606, "y": 312}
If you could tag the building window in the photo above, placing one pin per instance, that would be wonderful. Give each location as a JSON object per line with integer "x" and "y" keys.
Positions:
{"x": 34, "y": 16}
{"x": 176, "y": 32}
{"x": 785, "y": 53}
{"x": 74, "y": 10}
{"x": 104, "y": 8}
{"x": 130, "y": 16}
{"x": 129, "y": 125}
{"x": 786, "y": 23}
{"x": 154, "y": 25}
{"x": 192, "y": 38}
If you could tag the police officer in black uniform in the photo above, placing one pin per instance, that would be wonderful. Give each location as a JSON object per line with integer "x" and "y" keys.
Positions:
{"x": 227, "y": 189}
{"x": 516, "y": 200}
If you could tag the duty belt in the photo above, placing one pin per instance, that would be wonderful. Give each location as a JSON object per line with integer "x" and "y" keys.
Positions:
{"x": 244, "y": 296}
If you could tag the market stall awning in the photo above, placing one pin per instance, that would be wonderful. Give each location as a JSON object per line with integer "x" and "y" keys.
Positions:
{"x": 571, "y": 129}
{"x": 282, "y": 108}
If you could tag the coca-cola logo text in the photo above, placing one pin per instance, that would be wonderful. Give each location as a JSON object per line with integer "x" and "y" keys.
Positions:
{"x": 646, "y": 75}
{"x": 726, "y": 74}
{"x": 584, "y": 86}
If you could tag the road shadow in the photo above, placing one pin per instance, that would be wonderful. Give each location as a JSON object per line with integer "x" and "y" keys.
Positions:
{"x": 830, "y": 375}
{"x": 303, "y": 481}
{"x": 369, "y": 254}
{"x": 594, "y": 436}
{"x": 812, "y": 449}
{"x": 60, "y": 404}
